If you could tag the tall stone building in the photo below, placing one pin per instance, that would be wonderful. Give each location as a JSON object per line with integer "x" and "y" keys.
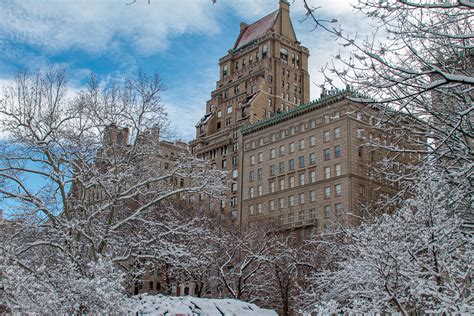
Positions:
{"x": 291, "y": 163}
{"x": 266, "y": 72}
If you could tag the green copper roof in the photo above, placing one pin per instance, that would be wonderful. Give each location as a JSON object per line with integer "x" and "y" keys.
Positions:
{"x": 335, "y": 96}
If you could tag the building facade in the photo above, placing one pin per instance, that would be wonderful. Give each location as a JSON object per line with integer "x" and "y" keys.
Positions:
{"x": 265, "y": 73}
{"x": 291, "y": 163}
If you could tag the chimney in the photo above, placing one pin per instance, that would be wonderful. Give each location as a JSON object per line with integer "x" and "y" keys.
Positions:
{"x": 243, "y": 26}
{"x": 284, "y": 5}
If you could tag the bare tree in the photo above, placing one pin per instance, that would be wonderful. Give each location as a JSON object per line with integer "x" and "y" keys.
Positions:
{"x": 89, "y": 195}
{"x": 416, "y": 71}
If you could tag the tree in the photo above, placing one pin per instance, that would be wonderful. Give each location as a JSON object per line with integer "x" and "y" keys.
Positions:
{"x": 90, "y": 196}
{"x": 416, "y": 71}
{"x": 418, "y": 259}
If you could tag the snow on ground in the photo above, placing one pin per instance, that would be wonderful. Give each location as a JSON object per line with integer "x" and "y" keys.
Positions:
{"x": 188, "y": 305}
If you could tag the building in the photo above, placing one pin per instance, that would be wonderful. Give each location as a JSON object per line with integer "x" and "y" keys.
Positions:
{"x": 265, "y": 73}
{"x": 291, "y": 163}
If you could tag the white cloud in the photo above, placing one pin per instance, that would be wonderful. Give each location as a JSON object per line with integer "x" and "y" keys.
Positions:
{"x": 186, "y": 103}
{"x": 99, "y": 26}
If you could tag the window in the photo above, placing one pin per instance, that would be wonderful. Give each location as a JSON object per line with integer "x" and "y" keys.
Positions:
{"x": 284, "y": 54}
{"x": 292, "y": 148}
{"x": 312, "y": 158}
{"x": 327, "y": 192}
{"x": 228, "y": 121}
{"x": 259, "y": 208}
{"x": 301, "y": 198}
{"x": 301, "y": 217}
{"x": 337, "y": 151}
{"x": 338, "y": 189}
{"x": 218, "y": 126}
{"x": 282, "y": 184}
{"x": 271, "y": 205}
{"x": 337, "y": 133}
{"x": 224, "y": 163}
{"x": 254, "y": 88}
{"x": 361, "y": 190}
{"x": 312, "y": 141}
{"x": 236, "y": 65}
{"x": 219, "y": 114}
{"x": 282, "y": 203}
{"x": 260, "y": 190}
{"x": 270, "y": 78}
{"x": 282, "y": 134}
{"x": 301, "y": 144}
{"x": 235, "y": 147}
{"x": 291, "y": 164}
{"x": 291, "y": 217}
{"x": 292, "y": 181}
{"x": 264, "y": 51}
{"x": 251, "y": 175}
{"x": 236, "y": 89}
{"x": 326, "y": 136}
{"x": 233, "y": 186}
{"x": 259, "y": 173}
{"x": 360, "y": 151}
{"x": 235, "y": 173}
{"x": 251, "y": 210}
{"x": 327, "y": 154}
{"x": 312, "y": 124}
{"x": 327, "y": 172}
{"x": 326, "y": 118}
{"x": 224, "y": 71}
{"x": 292, "y": 130}
{"x": 302, "y": 127}
{"x": 302, "y": 179}
{"x": 291, "y": 201}
{"x": 301, "y": 161}
{"x": 252, "y": 159}
{"x": 359, "y": 116}
{"x": 312, "y": 176}
{"x": 252, "y": 192}
{"x": 272, "y": 186}
{"x": 282, "y": 150}
{"x": 272, "y": 153}
{"x": 312, "y": 213}
{"x": 312, "y": 196}
{"x": 281, "y": 167}
{"x": 338, "y": 170}
{"x": 260, "y": 157}
{"x": 338, "y": 208}
{"x": 233, "y": 201}
{"x": 269, "y": 102}
{"x": 327, "y": 211}
{"x": 272, "y": 170}
{"x": 229, "y": 109}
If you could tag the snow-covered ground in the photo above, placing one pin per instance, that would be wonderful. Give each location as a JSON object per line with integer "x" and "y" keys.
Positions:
{"x": 187, "y": 305}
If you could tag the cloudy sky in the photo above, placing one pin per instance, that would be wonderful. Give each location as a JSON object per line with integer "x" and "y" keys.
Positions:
{"x": 182, "y": 40}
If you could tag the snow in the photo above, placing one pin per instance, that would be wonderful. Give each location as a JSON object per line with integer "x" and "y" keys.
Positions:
{"x": 188, "y": 305}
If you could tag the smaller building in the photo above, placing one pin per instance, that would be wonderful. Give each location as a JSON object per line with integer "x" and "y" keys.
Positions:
{"x": 309, "y": 168}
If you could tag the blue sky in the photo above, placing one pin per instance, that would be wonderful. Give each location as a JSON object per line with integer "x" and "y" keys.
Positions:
{"x": 182, "y": 40}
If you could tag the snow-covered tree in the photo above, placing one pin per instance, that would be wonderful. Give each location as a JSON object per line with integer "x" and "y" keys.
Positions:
{"x": 416, "y": 70}
{"x": 89, "y": 196}
{"x": 418, "y": 259}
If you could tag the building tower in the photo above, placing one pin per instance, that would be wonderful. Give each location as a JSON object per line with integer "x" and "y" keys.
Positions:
{"x": 265, "y": 73}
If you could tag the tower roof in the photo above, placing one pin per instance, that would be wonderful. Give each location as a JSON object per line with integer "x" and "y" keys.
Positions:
{"x": 256, "y": 29}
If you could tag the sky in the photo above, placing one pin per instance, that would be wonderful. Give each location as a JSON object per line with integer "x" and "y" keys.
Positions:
{"x": 182, "y": 40}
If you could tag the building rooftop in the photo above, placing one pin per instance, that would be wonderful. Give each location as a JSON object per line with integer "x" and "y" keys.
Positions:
{"x": 256, "y": 29}
{"x": 330, "y": 98}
